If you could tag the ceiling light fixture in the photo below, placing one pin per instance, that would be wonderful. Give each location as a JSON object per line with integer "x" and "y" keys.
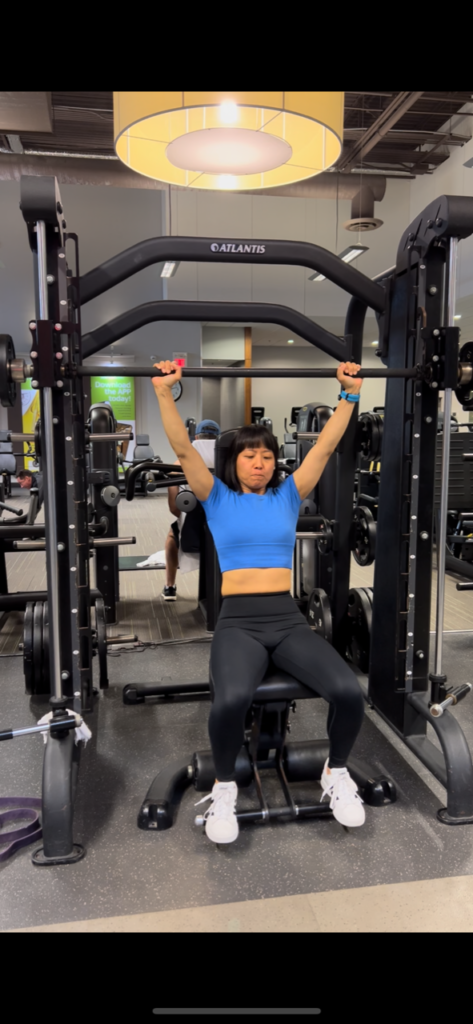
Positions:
{"x": 348, "y": 255}
{"x": 218, "y": 140}
{"x": 290, "y": 341}
{"x": 457, "y": 316}
{"x": 169, "y": 269}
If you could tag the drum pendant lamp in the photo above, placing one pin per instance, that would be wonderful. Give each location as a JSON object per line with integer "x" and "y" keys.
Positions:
{"x": 228, "y": 140}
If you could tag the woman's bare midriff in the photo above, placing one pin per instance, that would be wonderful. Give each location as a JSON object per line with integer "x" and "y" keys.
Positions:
{"x": 255, "y": 581}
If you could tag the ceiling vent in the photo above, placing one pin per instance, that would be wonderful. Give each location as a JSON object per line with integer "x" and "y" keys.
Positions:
{"x": 362, "y": 212}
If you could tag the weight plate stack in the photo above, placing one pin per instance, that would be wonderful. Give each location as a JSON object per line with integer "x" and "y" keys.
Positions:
{"x": 7, "y": 386}
{"x": 101, "y": 637}
{"x": 370, "y": 435}
{"x": 319, "y": 614}
{"x": 360, "y": 615}
{"x": 364, "y": 536}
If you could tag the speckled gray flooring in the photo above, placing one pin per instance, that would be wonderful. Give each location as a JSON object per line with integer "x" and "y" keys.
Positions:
{"x": 127, "y": 871}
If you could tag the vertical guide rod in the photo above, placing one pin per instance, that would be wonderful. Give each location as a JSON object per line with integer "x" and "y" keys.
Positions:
{"x": 447, "y": 413}
{"x": 49, "y": 486}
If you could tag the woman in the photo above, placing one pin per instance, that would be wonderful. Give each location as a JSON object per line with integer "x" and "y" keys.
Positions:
{"x": 252, "y": 518}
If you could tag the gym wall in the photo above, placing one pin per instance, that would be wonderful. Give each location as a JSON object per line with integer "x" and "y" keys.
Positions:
{"x": 107, "y": 220}
{"x": 230, "y": 216}
{"x": 169, "y": 338}
{"x": 223, "y": 401}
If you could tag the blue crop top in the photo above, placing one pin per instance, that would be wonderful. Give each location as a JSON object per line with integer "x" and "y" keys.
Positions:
{"x": 253, "y": 531}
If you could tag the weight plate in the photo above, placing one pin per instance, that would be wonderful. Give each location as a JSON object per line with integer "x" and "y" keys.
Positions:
{"x": 101, "y": 633}
{"x": 319, "y": 614}
{"x": 28, "y": 664}
{"x": 364, "y": 536}
{"x": 45, "y": 678}
{"x": 464, "y": 392}
{"x": 324, "y": 544}
{"x": 37, "y": 439}
{"x": 380, "y": 420}
{"x": 7, "y": 386}
{"x": 370, "y": 435}
{"x": 364, "y": 435}
{"x": 38, "y": 645}
{"x": 359, "y": 621}
{"x": 374, "y": 441}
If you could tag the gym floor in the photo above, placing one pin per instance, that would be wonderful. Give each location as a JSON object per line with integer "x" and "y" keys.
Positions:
{"x": 403, "y": 871}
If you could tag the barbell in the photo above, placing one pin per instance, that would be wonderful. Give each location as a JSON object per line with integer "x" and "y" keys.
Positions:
{"x": 15, "y": 371}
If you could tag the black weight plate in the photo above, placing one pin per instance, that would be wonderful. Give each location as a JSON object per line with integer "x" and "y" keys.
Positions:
{"x": 324, "y": 544}
{"x": 364, "y": 532}
{"x": 367, "y": 609}
{"x": 464, "y": 392}
{"x": 319, "y": 614}
{"x": 37, "y": 438}
{"x": 369, "y": 593}
{"x": 362, "y": 436}
{"x": 360, "y": 618}
{"x": 101, "y": 632}
{"x": 375, "y": 438}
{"x": 38, "y": 645}
{"x": 380, "y": 435}
{"x": 7, "y": 387}
{"x": 45, "y": 678}
{"x": 28, "y": 664}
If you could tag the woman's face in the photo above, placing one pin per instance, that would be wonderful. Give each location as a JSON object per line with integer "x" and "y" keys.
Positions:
{"x": 254, "y": 468}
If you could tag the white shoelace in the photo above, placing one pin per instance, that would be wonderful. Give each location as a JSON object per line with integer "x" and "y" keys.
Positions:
{"x": 223, "y": 805}
{"x": 342, "y": 788}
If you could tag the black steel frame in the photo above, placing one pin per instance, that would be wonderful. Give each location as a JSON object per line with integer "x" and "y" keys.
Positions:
{"x": 414, "y": 330}
{"x": 55, "y": 340}
{"x": 409, "y": 312}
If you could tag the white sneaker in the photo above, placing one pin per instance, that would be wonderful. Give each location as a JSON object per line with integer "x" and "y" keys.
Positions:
{"x": 345, "y": 800}
{"x": 221, "y": 825}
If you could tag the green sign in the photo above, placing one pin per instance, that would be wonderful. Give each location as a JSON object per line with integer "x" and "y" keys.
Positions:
{"x": 119, "y": 391}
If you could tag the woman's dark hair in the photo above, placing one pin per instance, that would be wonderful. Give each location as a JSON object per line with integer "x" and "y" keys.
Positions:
{"x": 253, "y": 436}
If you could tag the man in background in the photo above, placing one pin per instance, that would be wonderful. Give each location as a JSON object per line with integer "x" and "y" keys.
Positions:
{"x": 27, "y": 480}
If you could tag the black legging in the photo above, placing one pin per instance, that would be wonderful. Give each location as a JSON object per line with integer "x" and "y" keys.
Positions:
{"x": 252, "y": 628}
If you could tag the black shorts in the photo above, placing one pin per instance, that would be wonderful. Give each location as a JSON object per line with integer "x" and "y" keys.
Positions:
{"x": 175, "y": 530}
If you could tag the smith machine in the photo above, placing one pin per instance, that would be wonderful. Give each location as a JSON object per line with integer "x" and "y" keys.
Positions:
{"x": 414, "y": 303}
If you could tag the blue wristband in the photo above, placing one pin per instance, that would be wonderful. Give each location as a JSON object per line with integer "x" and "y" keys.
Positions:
{"x": 349, "y": 397}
